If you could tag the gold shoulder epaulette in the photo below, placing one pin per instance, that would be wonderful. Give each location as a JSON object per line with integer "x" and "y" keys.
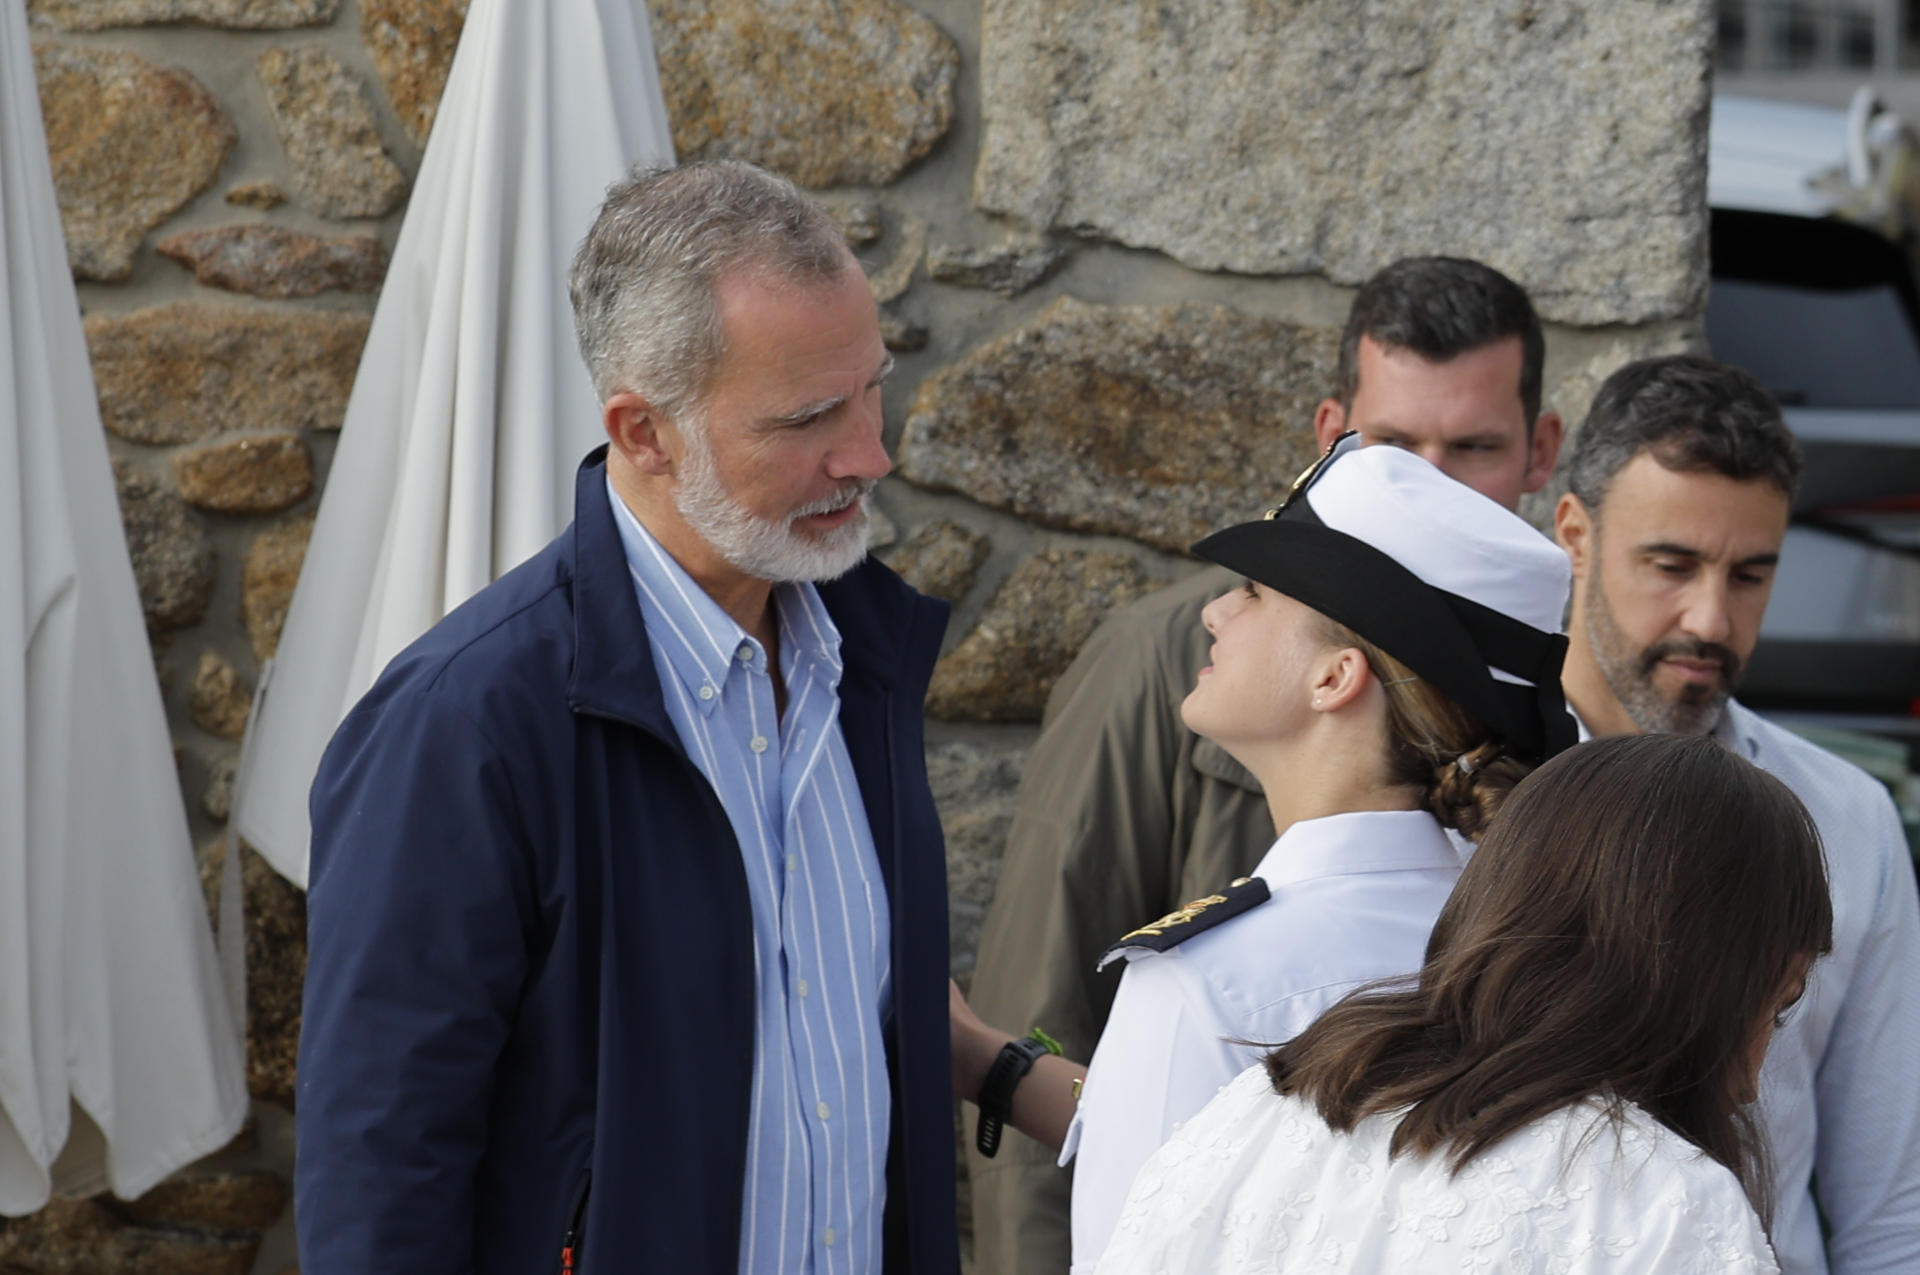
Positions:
{"x": 1181, "y": 924}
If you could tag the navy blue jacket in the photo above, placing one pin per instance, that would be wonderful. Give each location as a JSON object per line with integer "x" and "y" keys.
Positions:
{"x": 530, "y": 983}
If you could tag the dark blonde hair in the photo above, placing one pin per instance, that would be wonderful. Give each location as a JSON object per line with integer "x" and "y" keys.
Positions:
{"x": 1455, "y": 761}
{"x": 1629, "y": 920}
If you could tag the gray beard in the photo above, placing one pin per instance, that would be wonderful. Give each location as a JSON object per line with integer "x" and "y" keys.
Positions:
{"x": 1629, "y": 675}
{"x": 766, "y": 548}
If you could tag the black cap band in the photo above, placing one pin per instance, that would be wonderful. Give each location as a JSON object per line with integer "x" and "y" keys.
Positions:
{"x": 1448, "y": 640}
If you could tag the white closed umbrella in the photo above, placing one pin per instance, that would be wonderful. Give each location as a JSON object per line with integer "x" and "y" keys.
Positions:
{"x": 120, "y": 1060}
{"x": 471, "y": 409}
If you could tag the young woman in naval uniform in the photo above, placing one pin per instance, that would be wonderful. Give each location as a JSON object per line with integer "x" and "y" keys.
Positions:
{"x": 1387, "y": 672}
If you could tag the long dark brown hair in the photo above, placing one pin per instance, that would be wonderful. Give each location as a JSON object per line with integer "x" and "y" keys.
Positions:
{"x": 1626, "y": 925}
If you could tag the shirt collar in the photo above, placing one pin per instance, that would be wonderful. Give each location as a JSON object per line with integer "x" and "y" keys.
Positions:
{"x": 701, "y": 641}
{"x": 807, "y": 632}
{"x": 1734, "y": 730}
{"x": 1357, "y": 842}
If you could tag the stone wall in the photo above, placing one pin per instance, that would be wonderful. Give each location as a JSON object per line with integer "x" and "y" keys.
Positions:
{"x": 1112, "y": 242}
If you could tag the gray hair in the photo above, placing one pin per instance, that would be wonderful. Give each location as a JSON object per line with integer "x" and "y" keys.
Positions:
{"x": 1694, "y": 415}
{"x": 643, "y": 281}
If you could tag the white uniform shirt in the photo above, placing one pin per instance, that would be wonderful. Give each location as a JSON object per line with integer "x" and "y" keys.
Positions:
{"x": 1259, "y": 1183}
{"x": 1840, "y": 1092}
{"x": 1354, "y": 897}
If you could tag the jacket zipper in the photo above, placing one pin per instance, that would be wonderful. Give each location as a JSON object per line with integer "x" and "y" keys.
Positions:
{"x": 576, "y": 1217}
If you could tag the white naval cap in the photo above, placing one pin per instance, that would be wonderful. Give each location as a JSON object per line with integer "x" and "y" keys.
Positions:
{"x": 1459, "y": 589}
{"x": 1446, "y": 533}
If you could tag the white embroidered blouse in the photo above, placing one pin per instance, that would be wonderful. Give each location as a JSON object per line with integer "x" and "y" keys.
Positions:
{"x": 1257, "y": 1184}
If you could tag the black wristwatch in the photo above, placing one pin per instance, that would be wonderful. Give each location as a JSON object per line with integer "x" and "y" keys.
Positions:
{"x": 1016, "y": 1058}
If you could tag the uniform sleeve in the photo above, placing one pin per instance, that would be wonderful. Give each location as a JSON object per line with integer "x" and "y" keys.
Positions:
{"x": 1170, "y": 1219}
{"x": 1089, "y": 857}
{"x": 1163, "y": 1057}
{"x": 1867, "y": 1158}
{"x": 417, "y": 915}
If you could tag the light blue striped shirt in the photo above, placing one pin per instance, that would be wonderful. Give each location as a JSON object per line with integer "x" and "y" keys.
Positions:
{"x": 817, "y": 1141}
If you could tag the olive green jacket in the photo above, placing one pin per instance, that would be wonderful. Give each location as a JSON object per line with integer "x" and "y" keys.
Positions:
{"x": 1124, "y": 814}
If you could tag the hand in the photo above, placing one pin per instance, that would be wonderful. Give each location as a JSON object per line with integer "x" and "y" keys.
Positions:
{"x": 975, "y": 1045}
{"x": 1043, "y": 1101}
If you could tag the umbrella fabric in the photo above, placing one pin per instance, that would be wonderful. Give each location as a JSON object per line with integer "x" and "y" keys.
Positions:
{"x": 471, "y": 407}
{"x": 119, "y": 1056}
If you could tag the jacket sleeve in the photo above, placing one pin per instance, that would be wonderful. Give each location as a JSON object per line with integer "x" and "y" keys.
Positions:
{"x": 418, "y": 911}
{"x": 1091, "y": 854}
{"x": 1867, "y": 1158}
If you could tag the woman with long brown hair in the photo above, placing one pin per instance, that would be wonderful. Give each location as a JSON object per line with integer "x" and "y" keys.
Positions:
{"x": 1566, "y": 1084}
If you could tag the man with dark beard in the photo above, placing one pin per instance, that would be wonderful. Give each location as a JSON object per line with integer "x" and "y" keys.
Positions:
{"x": 1681, "y": 482}
{"x": 628, "y": 940}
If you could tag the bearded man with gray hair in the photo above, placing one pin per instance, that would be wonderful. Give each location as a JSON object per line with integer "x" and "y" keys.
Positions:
{"x": 627, "y": 910}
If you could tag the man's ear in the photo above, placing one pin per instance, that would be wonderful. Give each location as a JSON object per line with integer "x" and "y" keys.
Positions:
{"x": 636, "y": 429}
{"x": 1543, "y": 450}
{"x": 1573, "y": 529}
{"x": 1329, "y": 422}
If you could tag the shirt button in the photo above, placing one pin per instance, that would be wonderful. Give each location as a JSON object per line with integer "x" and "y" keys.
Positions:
{"x": 803, "y": 987}
{"x": 745, "y": 653}
{"x": 758, "y": 743}
{"x": 793, "y": 863}
{"x": 706, "y": 692}
{"x": 823, "y": 1110}
{"x": 828, "y": 1237}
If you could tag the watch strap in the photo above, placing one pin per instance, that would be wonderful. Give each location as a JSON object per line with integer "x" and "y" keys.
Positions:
{"x": 1015, "y": 1060}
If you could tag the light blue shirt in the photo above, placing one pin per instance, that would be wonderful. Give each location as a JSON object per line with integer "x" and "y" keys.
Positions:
{"x": 817, "y": 1138}
{"x": 1837, "y": 1094}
